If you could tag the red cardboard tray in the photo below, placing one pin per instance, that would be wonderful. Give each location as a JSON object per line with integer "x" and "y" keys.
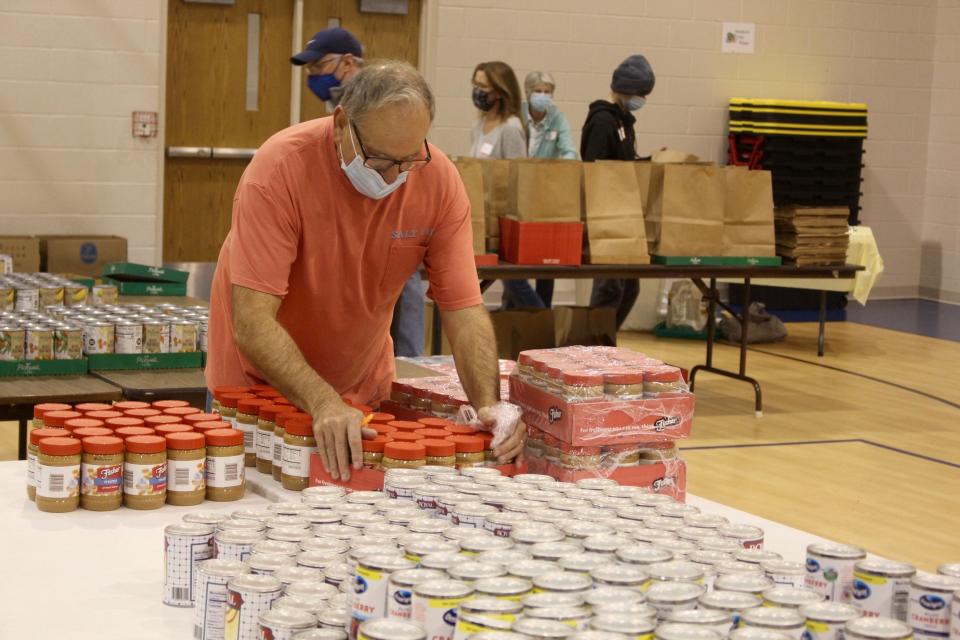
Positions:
{"x": 669, "y": 478}
{"x": 371, "y": 480}
{"x": 556, "y": 243}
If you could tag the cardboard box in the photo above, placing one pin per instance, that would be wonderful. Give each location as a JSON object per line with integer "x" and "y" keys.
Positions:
{"x": 24, "y": 250}
{"x": 83, "y": 255}
{"x": 144, "y": 361}
{"x": 370, "y": 479}
{"x": 132, "y": 272}
{"x": 585, "y": 326}
{"x": 486, "y": 259}
{"x": 669, "y": 417}
{"x": 519, "y": 330}
{"x": 669, "y": 478}
{"x": 23, "y": 368}
{"x": 148, "y": 288}
{"x": 553, "y": 243}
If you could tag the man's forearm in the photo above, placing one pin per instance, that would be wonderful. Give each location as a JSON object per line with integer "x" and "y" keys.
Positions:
{"x": 475, "y": 354}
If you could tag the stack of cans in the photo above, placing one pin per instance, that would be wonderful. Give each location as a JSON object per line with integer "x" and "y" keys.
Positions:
{"x": 37, "y": 291}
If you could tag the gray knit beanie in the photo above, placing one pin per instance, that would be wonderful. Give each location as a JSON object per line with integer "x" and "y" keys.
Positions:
{"x": 634, "y": 77}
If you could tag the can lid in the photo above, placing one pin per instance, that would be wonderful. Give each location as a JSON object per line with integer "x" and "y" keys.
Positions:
{"x": 382, "y": 418}
{"x": 129, "y": 432}
{"x": 460, "y": 429}
{"x": 169, "y": 404}
{"x": 40, "y": 409}
{"x": 156, "y": 421}
{"x": 406, "y": 436}
{"x": 87, "y": 407}
{"x": 433, "y": 433}
{"x": 439, "y": 448}
{"x": 50, "y": 432}
{"x": 405, "y": 425}
{"x": 59, "y": 417}
{"x": 437, "y": 423}
{"x": 467, "y": 444}
{"x": 141, "y": 413}
{"x": 404, "y": 451}
{"x": 284, "y": 418}
{"x": 180, "y": 412}
{"x": 230, "y": 400}
{"x": 123, "y": 405}
{"x": 82, "y": 423}
{"x": 269, "y": 412}
{"x": 86, "y": 432}
{"x": 103, "y": 415}
{"x": 102, "y": 444}
{"x": 218, "y": 392}
{"x": 224, "y": 437}
{"x": 59, "y": 446}
{"x": 375, "y": 445}
{"x": 124, "y": 421}
{"x": 167, "y": 429}
{"x": 210, "y": 425}
{"x": 300, "y": 426}
{"x": 185, "y": 440}
{"x": 145, "y": 444}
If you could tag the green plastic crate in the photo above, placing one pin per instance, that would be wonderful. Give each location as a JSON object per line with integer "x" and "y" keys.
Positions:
{"x": 17, "y": 368}
{"x": 127, "y": 288}
{"x": 134, "y": 361}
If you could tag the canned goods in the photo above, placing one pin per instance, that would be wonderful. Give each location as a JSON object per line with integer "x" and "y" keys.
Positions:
{"x": 235, "y": 544}
{"x": 781, "y": 619}
{"x": 747, "y": 536}
{"x": 928, "y": 607}
{"x": 825, "y": 620}
{"x": 50, "y": 296}
{"x": 156, "y": 336}
{"x": 562, "y": 582}
{"x": 719, "y": 621}
{"x": 372, "y": 580}
{"x": 435, "y": 605}
{"x": 26, "y": 298}
{"x": 400, "y": 590}
{"x": 574, "y": 617}
{"x": 7, "y": 297}
{"x": 67, "y": 342}
{"x": 880, "y": 588}
{"x": 667, "y": 597}
{"x": 13, "y": 341}
{"x": 503, "y": 588}
{"x": 389, "y": 629}
{"x": 785, "y": 573}
{"x": 184, "y": 547}
{"x": 75, "y": 295}
{"x": 615, "y": 575}
{"x": 248, "y": 597}
{"x": 949, "y": 569}
{"x": 128, "y": 337}
{"x": 104, "y": 294}
{"x": 283, "y": 623}
{"x": 830, "y": 569}
{"x": 211, "y": 596}
{"x": 877, "y": 629}
{"x": 628, "y": 625}
{"x": 183, "y": 336}
{"x": 501, "y": 524}
{"x": 265, "y": 564}
{"x": 790, "y": 597}
{"x": 955, "y": 617}
{"x": 39, "y": 342}
{"x": 98, "y": 337}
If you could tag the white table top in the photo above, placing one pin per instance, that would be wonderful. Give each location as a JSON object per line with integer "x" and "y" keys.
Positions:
{"x": 89, "y": 575}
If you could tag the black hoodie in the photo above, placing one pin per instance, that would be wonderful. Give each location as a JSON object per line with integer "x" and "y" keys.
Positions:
{"x": 608, "y": 133}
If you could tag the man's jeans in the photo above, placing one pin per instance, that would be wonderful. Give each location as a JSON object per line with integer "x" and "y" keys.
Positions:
{"x": 407, "y": 329}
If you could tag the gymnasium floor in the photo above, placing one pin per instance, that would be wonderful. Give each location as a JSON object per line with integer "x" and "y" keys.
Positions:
{"x": 861, "y": 446}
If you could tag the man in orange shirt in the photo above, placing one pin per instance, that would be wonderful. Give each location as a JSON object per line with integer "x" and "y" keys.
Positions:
{"x": 329, "y": 220}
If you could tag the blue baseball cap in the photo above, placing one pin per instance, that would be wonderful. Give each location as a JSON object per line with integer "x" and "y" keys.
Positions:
{"x": 334, "y": 40}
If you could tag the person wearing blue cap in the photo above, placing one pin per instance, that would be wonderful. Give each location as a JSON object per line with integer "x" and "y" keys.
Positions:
{"x": 331, "y": 58}
{"x": 608, "y": 134}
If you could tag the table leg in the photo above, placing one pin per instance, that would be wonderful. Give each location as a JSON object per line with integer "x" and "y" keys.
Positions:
{"x": 437, "y": 338}
{"x": 711, "y": 295}
{"x": 821, "y": 338}
{"x": 22, "y": 439}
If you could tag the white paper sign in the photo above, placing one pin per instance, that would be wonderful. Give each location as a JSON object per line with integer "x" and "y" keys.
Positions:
{"x": 738, "y": 37}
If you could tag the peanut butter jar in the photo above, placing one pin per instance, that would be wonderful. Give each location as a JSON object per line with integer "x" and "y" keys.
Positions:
{"x": 219, "y": 392}
{"x": 145, "y": 472}
{"x": 101, "y": 472}
{"x": 186, "y": 468}
{"x": 298, "y": 444}
{"x": 442, "y": 453}
{"x": 469, "y": 451}
{"x": 33, "y": 451}
{"x": 263, "y": 441}
{"x": 276, "y": 465}
{"x": 248, "y": 415}
{"x": 373, "y": 451}
{"x": 58, "y": 475}
{"x": 225, "y": 465}
{"x": 40, "y": 409}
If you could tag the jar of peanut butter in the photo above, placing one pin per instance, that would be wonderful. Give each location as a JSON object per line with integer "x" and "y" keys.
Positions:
{"x": 228, "y": 405}
{"x": 58, "y": 474}
{"x": 168, "y": 404}
{"x": 129, "y": 432}
{"x": 373, "y": 451}
{"x": 186, "y": 468}
{"x": 74, "y": 424}
{"x": 166, "y": 429}
{"x": 440, "y": 453}
{"x": 155, "y": 422}
{"x": 145, "y": 472}
{"x": 279, "y": 432}
{"x": 88, "y": 432}
{"x": 469, "y": 451}
{"x": 101, "y": 472}
{"x": 298, "y": 444}
{"x": 225, "y": 465}
{"x": 180, "y": 412}
{"x": 58, "y": 419}
{"x": 219, "y": 392}
{"x": 33, "y": 451}
{"x": 126, "y": 405}
{"x": 40, "y": 409}
{"x": 403, "y": 455}
{"x": 263, "y": 442}
{"x": 248, "y": 414}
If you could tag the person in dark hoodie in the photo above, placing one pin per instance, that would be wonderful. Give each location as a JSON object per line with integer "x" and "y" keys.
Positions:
{"x": 608, "y": 134}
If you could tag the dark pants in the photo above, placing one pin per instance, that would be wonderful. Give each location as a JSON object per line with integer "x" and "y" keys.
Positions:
{"x": 518, "y": 294}
{"x": 619, "y": 294}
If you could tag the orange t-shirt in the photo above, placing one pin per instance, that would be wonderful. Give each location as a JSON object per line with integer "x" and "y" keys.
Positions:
{"x": 338, "y": 259}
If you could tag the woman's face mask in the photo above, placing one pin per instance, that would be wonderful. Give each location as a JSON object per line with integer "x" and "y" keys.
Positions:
{"x": 540, "y": 101}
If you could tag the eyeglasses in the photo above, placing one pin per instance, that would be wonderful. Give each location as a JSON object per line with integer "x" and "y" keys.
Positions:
{"x": 381, "y": 165}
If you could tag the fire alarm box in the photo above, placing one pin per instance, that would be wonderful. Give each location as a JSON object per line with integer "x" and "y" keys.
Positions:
{"x": 144, "y": 124}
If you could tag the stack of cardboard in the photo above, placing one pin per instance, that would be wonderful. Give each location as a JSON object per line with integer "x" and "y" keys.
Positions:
{"x": 812, "y": 236}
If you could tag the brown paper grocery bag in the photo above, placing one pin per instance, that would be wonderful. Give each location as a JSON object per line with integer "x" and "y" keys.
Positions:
{"x": 585, "y": 326}
{"x": 544, "y": 190}
{"x": 496, "y": 188}
{"x": 471, "y": 174}
{"x": 685, "y": 216}
{"x": 748, "y": 227}
{"x": 613, "y": 212}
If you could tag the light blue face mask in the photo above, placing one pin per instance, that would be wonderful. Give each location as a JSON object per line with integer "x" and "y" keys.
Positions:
{"x": 364, "y": 179}
{"x": 540, "y": 101}
{"x": 635, "y": 103}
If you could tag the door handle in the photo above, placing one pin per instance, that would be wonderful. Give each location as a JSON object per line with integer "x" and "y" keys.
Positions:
{"x": 189, "y": 152}
{"x": 233, "y": 153}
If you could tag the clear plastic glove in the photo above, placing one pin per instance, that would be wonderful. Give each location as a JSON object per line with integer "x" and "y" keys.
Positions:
{"x": 503, "y": 421}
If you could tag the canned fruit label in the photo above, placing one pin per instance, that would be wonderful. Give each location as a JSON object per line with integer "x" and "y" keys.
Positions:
{"x": 181, "y": 556}
{"x": 183, "y": 338}
{"x": 144, "y": 479}
{"x": 27, "y": 300}
{"x": 58, "y": 482}
{"x": 12, "y": 344}
{"x": 67, "y": 344}
{"x": 50, "y": 296}
{"x": 105, "y": 294}
{"x": 7, "y": 297}
{"x": 186, "y": 475}
{"x": 437, "y": 616}
{"x": 817, "y": 630}
{"x": 370, "y": 594}
{"x": 224, "y": 471}
{"x": 400, "y": 601}
{"x": 101, "y": 479}
{"x": 830, "y": 577}
{"x": 75, "y": 296}
{"x": 156, "y": 338}
{"x": 128, "y": 339}
{"x": 928, "y": 612}
{"x": 39, "y": 344}
{"x": 296, "y": 460}
{"x": 880, "y": 596}
{"x": 98, "y": 338}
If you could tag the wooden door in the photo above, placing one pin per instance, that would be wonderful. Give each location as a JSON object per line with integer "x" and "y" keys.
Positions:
{"x": 382, "y": 36}
{"x": 208, "y": 105}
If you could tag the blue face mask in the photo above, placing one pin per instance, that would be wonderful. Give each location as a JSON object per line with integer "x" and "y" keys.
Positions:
{"x": 321, "y": 85}
{"x": 635, "y": 103}
{"x": 540, "y": 101}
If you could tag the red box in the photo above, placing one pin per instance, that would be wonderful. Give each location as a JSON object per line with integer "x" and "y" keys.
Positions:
{"x": 600, "y": 423}
{"x": 669, "y": 478}
{"x": 371, "y": 480}
{"x": 555, "y": 243}
{"x": 486, "y": 259}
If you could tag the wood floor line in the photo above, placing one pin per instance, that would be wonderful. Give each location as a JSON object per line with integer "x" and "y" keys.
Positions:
{"x": 925, "y": 394}
{"x": 751, "y": 445}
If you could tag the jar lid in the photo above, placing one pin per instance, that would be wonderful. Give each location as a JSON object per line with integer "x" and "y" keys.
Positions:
{"x": 180, "y": 411}
{"x": 405, "y": 425}
{"x": 40, "y": 409}
{"x": 50, "y": 432}
{"x": 666, "y": 373}
{"x": 581, "y": 378}
{"x": 230, "y": 400}
{"x": 105, "y": 444}
{"x": 58, "y": 418}
{"x": 185, "y": 440}
{"x": 156, "y": 421}
{"x": 284, "y": 418}
{"x": 169, "y": 404}
{"x": 141, "y": 413}
{"x": 436, "y": 423}
{"x": 104, "y": 415}
{"x": 206, "y": 427}
{"x": 460, "y": 429}
{"x": 86, "y": 432}
{"x": 219, "y": 392}
{"x": 124, "y": 421}
{"x": 224, "y": 437}
{"x": 406, "y": 436}
{"x": 404, "y": 451}
{"x": 269, "y": 394}
{"x": 81, "y": 423}
{"x": 375, "y": 445}
{"x": 201, "y": 417}
{"x": 300, "y": 426}
{"x": 624, "y": 376}
{"x": 252, "y": 405}
{"x": 165, "y": 429}
{"x": 146, "y": 444}
{"x": 382, "y": 418}
{"x": 382, "y": 429}
{"x": 59, "y": 446}
{"x": 433, "y": 433}
{"x": 467, "y": 444}
{"x": 260, "y": 388}
{"x": 269, "y": 412}
{"x": 439, "y": 448}
{"x": 129, "y": 432}
{"x": 123, "y": 405}
{"x": 85, "y": 407}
